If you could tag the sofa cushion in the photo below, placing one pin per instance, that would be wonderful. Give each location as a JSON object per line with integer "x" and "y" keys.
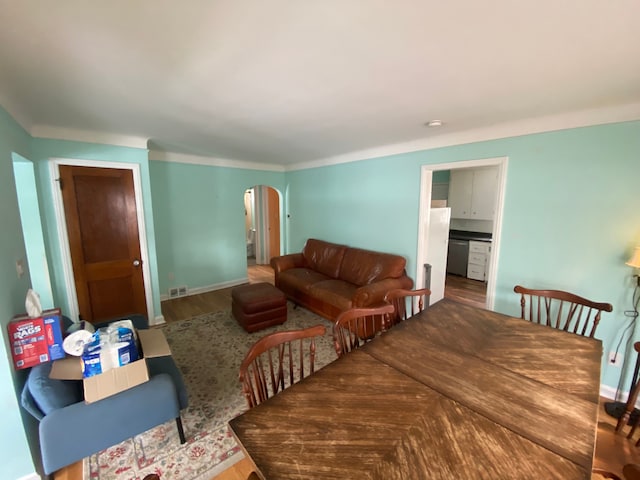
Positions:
{"x": 334, "y": 292}
{"x": 323, "y": 257}
{"x": 362, "y": 267}
{"x": 50, "y": 394}
{"x": 299, "y": 279}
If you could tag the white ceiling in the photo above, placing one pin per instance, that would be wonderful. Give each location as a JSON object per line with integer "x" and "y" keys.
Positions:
{"x": 291, "y": 81}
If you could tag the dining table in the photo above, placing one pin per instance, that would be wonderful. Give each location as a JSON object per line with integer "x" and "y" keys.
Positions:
{"x": 454, "y": 392}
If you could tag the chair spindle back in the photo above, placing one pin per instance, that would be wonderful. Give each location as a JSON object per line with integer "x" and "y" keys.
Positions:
{"x": 561, "y": 310}
{"x": 277, "y": 361}
{"x": 407, "y": 303}
{"x": 356, "y": 326}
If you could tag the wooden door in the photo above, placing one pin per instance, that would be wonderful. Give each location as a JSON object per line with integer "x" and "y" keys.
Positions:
{"x": 102, "y": 224}
{"x": 273, "y": 222}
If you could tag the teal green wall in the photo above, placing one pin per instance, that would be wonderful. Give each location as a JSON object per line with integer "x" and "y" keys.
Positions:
{"x": 199, "y": 219}
{"x": 15, "y": 456}
{"x": 570, "y": 218}
{"x": 441, "y": 176}
{"x": 42, "y": 151}
{"x": 27, "y": 192}
{"x": 371, "y": 204}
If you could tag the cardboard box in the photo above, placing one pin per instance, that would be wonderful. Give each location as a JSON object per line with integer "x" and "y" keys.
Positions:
{"x": 153, "y": 344}
{"x": 36, "y": 340}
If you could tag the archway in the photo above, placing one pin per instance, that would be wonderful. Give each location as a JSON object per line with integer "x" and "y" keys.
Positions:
{"x": 262, "y": 224}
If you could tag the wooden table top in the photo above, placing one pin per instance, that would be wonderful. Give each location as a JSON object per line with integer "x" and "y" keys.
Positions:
{"x": 456, "y": 392}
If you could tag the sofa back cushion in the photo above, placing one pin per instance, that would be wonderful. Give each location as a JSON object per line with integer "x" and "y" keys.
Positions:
{"x": 324, "y": 257}
{"x": 363, "y": 267}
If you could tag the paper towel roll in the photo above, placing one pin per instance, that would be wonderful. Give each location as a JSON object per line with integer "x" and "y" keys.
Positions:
{"x": 81, "y": 334}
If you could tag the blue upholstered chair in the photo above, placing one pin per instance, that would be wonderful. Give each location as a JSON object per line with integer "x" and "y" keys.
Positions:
{"x": 71, "y": 429}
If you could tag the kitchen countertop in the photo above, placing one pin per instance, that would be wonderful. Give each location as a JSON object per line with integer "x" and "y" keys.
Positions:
{"x": 466, "y": 235}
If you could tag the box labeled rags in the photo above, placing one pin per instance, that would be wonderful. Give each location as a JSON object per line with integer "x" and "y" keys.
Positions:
{"x": 36, "y": 340}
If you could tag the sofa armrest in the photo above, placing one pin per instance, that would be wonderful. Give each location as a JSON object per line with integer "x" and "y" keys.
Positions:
{"x": 374, "y": 293}
{"x": 74, "y": 432}
{"x": 285, "y": 262}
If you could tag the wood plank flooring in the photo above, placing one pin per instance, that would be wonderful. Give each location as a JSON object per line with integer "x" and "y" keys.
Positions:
{"x": 465, "y": 290}
{"x": 613, "y": 450}
{"x": 190, "y": 306}
{"x": 238, "y": 471}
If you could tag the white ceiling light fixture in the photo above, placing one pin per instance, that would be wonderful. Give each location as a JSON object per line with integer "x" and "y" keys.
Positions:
{"x": 434, "y": 123}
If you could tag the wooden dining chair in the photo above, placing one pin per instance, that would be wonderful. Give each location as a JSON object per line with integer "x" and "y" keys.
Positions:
{"x": 407, "y": 303}
{"x": 277, "y": 361}
{"x": 561, "y": 310}
{"x": 631, "y": 471}
{"x": 599, "y": 474}
{"x": 630, "y": 405}
{"x": 356, "y": 326}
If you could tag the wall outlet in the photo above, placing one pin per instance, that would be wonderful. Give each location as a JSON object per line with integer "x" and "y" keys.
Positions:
{"x": 615, "y": 359}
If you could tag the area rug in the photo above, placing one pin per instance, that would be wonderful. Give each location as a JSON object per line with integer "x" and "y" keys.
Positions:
{"x": 208, "y": 349}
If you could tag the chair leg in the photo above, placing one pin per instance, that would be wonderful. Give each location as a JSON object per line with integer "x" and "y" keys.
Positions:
{"x": 180, "y": 430}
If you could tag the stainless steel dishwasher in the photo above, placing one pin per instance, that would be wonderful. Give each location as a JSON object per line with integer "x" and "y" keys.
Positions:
{"x": 458, "y": 257}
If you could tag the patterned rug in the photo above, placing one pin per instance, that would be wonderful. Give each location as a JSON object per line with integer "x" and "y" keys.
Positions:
{"x": 208, "y": 349}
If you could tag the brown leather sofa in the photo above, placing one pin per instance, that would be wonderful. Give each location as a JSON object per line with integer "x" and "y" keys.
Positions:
{"x": 328, "y": 278}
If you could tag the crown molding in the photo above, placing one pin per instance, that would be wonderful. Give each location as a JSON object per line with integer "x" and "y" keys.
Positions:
{"x": 18, "y": 114}
{"x": 59, "y": 133}
{"x": 582, "y": 118}
{"x": 577, "y": 119}
{"x": 162, "y": 156}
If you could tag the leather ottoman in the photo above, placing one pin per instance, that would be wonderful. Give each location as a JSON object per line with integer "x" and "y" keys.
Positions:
{"x": 258, "y": 305}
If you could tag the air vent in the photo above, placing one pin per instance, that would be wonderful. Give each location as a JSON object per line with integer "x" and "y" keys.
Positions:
{"x": 178, "y": 291}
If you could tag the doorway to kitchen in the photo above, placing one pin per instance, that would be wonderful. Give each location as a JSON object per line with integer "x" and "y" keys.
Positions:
{"x": 475, "y": 286}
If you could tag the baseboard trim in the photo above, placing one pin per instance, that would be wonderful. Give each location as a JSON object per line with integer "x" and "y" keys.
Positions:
{"x": 208, "y": 288}
{"x": 158, "y": 320}
{"x": 610, "y": 393}
{"x": 31, "y": 476}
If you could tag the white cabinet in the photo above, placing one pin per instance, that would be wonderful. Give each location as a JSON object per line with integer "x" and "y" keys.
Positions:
{"x": 472, "y": 193}
{"x": 479, "y": 255}
{"x": 460, "y": 193}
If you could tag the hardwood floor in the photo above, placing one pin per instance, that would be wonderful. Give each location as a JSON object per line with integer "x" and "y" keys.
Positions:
{"x": 190, "y": 306}
{"x": 613, "y": 450}
{"x": 238, "y": 471}
{"x": 465, "y": 290}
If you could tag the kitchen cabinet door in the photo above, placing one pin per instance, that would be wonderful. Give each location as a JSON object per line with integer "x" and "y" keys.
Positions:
{"x": 483, "y": 193}
{"x": 472, "y": 193}
{"x": 460, "y": 191}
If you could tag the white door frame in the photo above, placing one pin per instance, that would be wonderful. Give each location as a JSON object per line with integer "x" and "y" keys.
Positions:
{"x": 63, "y": 236}
{"x": 426, "y": 183}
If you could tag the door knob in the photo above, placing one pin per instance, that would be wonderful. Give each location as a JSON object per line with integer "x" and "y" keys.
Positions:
{"x": 136, "y": 263}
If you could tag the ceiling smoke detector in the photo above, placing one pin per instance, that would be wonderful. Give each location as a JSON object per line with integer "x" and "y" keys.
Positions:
{"x": 434, "y": 123}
